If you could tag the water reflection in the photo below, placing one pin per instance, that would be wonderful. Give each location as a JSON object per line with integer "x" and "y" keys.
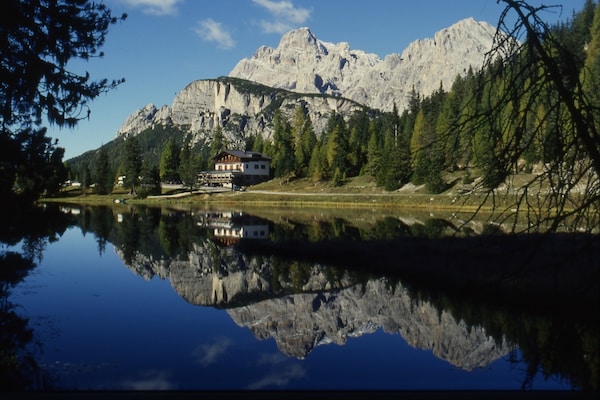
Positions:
{"x": 31, "y": 229}
{"x": 309, "y": 280}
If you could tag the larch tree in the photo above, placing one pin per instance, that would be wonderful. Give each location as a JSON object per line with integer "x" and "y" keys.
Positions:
{"x": 530, "y": 64}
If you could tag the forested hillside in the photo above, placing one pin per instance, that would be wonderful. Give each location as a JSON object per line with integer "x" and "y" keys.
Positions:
{"x": 531, "y": 108}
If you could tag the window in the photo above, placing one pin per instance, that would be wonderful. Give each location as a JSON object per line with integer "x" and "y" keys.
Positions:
{"x": 255, "y": 166}
{"x": 262, "y": 166}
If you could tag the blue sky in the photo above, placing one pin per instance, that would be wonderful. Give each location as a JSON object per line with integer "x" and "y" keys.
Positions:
{"x": 166, "y": 44}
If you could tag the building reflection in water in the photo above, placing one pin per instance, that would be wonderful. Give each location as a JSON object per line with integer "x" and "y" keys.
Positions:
{"x": 230, "y": 227}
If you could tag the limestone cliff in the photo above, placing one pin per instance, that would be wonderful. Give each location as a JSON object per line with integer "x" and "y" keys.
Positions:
{"x": 305, "y": 64}
{"x": 319, "y": 311}
{"x": 240, "y": 108}
{"x": 321, "y": 77}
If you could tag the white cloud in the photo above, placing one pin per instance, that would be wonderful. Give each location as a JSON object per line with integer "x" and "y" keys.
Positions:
{"x": 155, "y": 7}
{"x": 279, "y": 378}
{"x": 149, "y": 380}
{"x": 274, "y": 27}
{"x": 272, "y": 359}
{"x": 207, "y": 354}
{"x": 212, "y": 31}
{"x": 284, "y": 12}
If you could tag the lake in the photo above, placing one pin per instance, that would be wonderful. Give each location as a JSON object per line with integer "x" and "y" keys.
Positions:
{"x": 185, "y": 298}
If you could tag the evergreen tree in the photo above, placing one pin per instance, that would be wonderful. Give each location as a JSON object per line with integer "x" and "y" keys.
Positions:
{"x": 445, "y": 127}
{"x": 303, "y": 139}
{"x": 38, "y": 41}
{"x": 103, "y": 178}
{"x": 338, "y": 178}
{"x": 465, "y": 123}
{"x": 542, "y": 68}
{"x": 418, "y": 144}
{"x": 338, "y": 146}
{"x": 55, "y": 172}
{"x": 358, "y": 125}
{"x": 150, "y": 180}
{"x": 169, "y": 162}
{"x": 188, "y": 166}
{"x": 258, "y": 144}
{"x": 318, "y": 169}
{"x": 132, "y": 165}
{"x": 391, "y": 175}
{"x": 283, "y": 154}
{"x": 590, "y": 75}
{"x": 374, "y": 155}
{"x": 86, "y": 177}
{"x": 218, "y": 143}
{"x": 434, "y": 181}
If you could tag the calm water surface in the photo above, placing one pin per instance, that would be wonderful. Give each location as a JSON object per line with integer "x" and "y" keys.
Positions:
{"x": 165, "y": 300}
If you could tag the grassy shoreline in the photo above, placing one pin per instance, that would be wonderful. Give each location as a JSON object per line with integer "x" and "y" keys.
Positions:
{"x": 358, "y": 192}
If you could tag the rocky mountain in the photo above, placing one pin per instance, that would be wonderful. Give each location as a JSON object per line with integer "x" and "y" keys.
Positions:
{"x": 322, "y": 311}
{"x": 319, "y": 76}
{"x": 240, "y": 107}
{"x": 305, "y": 64}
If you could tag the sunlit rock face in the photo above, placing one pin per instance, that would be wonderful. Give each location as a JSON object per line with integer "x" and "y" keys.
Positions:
{"x": 319, "y": 310}
{"x": 204, "y": 105}
{"x": 298, "y": 323}
{"x": 305, "y": 65}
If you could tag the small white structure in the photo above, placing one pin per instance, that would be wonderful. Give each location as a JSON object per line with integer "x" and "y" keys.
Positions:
{"x": 237, "y": 167}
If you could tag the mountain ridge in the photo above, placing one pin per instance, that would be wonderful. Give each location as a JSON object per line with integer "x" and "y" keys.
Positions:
{"x": 304, "y": 63}
{"x": 323, "y": 76}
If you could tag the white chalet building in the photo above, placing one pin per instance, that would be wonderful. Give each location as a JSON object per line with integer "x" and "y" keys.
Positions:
{"x": 238, "y": 167}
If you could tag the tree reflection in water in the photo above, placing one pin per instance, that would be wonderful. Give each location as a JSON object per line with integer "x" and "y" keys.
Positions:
{"x": 30, "y": 229}
{"x": 516, "y": 289}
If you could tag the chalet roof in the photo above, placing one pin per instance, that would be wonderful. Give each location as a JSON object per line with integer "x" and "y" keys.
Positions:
{"x": 244, "y": 155}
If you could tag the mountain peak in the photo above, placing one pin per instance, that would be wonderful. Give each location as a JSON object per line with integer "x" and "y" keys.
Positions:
{"x": 301, "y": 33}
{"x": 301, "y": 40}
{"x": 303, "y": 63}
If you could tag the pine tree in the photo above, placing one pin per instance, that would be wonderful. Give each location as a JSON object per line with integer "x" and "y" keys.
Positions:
{"x": 103, "y": 178}
{"x": 338, "y": 147}
{"x": 218, "y": 142}
{"x": 188, "y": 166}
{"x": 317, "y": 168}
{"x": 390, "y": 174}
{"x": 150, "y": 180}
{"x": 418, "y": 145}
{"x": 132, "y": 164}
{"x": 358, "y": 125}
{"x": 283, "y": 157}
{"x": 303, "y": 140}
{"x": 374, "y": 155}
{"x": 169, "y": 162}
{"x": 86, "y": 177}
{"x": 40, "y": 40}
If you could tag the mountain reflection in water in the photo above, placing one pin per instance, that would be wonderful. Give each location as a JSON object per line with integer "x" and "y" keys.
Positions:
{"x": 312, "y": 280}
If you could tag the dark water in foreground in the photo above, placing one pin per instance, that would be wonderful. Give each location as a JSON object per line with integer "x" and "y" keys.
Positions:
{"x": 157, "y": 299}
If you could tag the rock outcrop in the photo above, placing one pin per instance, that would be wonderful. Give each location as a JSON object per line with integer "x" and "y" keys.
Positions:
{"x": 321, "y": 310}
{"x": 305, "y": 64}
{"x": 240, "y": 108}
{"x": 300, "y": 322}
{"x": 321, "y": 77}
